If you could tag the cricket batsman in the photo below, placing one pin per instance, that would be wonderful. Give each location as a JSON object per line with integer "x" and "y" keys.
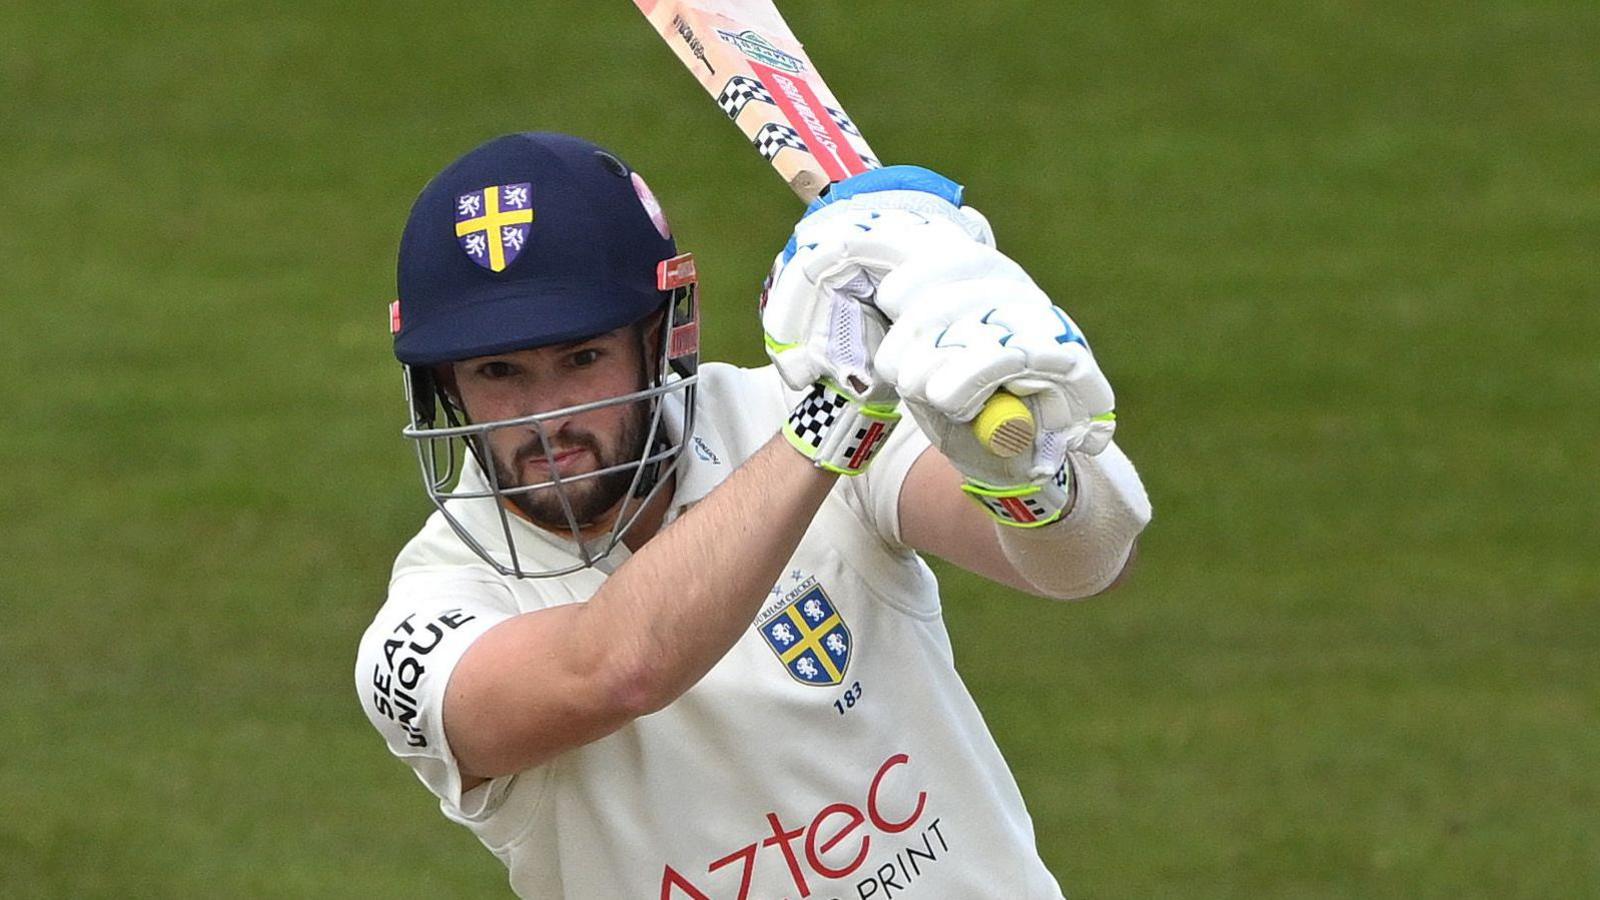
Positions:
{"x": 669, "y": 632}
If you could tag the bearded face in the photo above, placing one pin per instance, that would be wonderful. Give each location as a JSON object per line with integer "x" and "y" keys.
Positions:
{"x": 545, "y": 380}
{"x": 575, "y": 451}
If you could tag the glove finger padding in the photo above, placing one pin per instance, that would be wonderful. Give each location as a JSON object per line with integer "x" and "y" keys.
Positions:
{"x": 920, "y": 203}
{"x": 833, "y": 263}
{"x": 949, "y": 372}
{"x": 925, "y": 295}
{"x": 816, "y": 330}
{"x": 877, "y": 241}
{"x": 953, "y": 279}
{"x": 956, "y": 378}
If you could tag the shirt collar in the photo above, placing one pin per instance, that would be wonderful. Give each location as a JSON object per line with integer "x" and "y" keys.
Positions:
{"x": 704, "y": 462}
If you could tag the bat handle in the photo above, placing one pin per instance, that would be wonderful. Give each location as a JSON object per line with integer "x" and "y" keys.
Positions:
{"x": 1004, "y": 426}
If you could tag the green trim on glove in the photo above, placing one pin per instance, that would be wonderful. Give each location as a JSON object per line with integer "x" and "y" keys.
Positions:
{"x": 836, "y": 432}
{"x": 1026, "y": 505}
{"x": 776, "y": 346}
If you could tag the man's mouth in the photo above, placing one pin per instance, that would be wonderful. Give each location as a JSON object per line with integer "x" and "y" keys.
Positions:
{"x": 564, "y": 461}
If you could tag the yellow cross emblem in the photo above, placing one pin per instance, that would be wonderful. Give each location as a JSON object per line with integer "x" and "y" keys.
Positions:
{"x": 811, "y": 639}
{"x": 490, "y": 222}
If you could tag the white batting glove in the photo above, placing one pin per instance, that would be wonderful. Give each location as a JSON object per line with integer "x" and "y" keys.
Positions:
{"x": 846, "y": 243}
{"x": 946, "y": 367}
{"x": 847, "y": 412}
{"x": 822, "y": 342}
{"x": 818, "y": 322}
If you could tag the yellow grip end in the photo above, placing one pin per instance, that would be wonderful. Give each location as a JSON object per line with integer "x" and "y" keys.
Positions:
{"x": 1004, "y": 426}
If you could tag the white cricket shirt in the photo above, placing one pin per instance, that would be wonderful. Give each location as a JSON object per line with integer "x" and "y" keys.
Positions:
{"x": 832, "y": 753}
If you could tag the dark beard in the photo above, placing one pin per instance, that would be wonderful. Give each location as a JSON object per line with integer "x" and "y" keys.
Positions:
{"x": 592, "y": 497}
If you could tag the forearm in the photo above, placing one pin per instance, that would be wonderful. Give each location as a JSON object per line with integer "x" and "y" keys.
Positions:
{"x": 557, "y": 678}
{"x": 674, "y": 609}
{"x": 1084, "y": 552}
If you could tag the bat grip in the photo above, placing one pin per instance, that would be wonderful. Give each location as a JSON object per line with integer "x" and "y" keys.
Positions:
{"x": 1004, "y": 426}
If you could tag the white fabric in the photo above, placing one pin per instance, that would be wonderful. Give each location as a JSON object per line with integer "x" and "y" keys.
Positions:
{"x": 967, "y": 320}
{"x": 826, "y": 288}
{"x": 945, "y": 370}
{"x": 909, "y": 284}
{"x": 889, "y": 780}
{"x": 1084, "y": 552}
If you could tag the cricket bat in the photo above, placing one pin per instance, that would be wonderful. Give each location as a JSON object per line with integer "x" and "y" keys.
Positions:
{"x": 745, "y": 56}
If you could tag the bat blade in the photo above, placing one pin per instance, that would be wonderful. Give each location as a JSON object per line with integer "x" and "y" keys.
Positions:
{"x": 747, "y": 58}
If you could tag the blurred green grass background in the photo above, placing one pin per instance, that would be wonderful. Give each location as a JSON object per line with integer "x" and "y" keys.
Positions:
{"x": 1339, "y": 258}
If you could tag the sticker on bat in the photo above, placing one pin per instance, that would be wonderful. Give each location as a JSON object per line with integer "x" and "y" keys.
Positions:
{"x": 774, "y": 137}
{"x": 811, "y": 121}
{"x": 758, "y": 48}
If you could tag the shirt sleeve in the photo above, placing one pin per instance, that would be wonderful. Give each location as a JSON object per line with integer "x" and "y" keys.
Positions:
{"x": 404, "y": 663}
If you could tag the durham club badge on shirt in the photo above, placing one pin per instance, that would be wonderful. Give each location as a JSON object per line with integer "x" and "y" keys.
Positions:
{"x": 809, "y": 636}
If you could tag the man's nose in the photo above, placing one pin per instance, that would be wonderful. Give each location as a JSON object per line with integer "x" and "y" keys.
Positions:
{"x": 547, "y": 433}
{"x": 547, "y": 399}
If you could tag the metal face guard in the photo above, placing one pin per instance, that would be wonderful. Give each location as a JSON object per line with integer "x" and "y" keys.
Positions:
{"x": 441, "y": 450}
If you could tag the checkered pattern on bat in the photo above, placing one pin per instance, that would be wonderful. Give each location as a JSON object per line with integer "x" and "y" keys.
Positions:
{"x": 816, "y": 415}
{"x": 841, "y": 120}
{"x": 740, "y": 90}
{"x": 774, "y": 137}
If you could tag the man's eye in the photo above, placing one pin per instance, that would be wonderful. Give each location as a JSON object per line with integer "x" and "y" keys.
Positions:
{"x": 586, "y": 357}
{"x": 495, "y": 370}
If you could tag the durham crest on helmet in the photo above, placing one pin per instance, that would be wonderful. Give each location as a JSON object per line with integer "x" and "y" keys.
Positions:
{"x": 493, "y": 224}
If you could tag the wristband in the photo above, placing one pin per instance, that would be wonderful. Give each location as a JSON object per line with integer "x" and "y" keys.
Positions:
{"x": 837, "y": 433}
{"x": 1026, "y": 505}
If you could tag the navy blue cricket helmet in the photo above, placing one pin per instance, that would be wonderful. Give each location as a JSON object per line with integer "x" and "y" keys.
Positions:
{"x": 529, "y": 240}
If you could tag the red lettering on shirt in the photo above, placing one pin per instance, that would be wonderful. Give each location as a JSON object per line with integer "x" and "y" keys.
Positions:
{"x": 814, "y": 856}
{"x": 899, "y": 759}
{"x": 783, "y": 840}
{"x": 831, "y": 826}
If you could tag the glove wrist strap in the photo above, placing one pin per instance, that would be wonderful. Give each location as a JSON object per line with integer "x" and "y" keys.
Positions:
{"x": 1026, "y": 505}
{"x": 837, "y": 433}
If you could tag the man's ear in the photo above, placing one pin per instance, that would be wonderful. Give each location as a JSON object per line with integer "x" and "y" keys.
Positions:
{"x": 650, "y": 338}
{"x": 444, "y": 375}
